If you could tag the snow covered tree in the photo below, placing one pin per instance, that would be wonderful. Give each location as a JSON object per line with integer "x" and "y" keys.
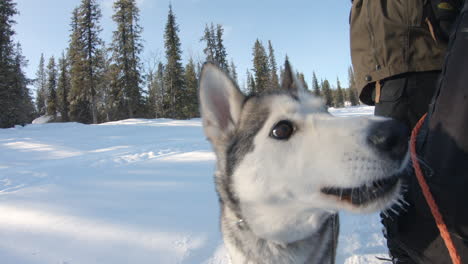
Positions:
{"x": 126, "y": 48}
{"x": 52, "y": 88}
{"x": 40, "y": 84}
{"x": 261, "y": 68}
{"x": 274, "y": 81}
{"x": 174, "y": 71}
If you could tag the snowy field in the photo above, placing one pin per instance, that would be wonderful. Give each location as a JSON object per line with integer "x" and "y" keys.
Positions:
{"x": 133, "y": 191}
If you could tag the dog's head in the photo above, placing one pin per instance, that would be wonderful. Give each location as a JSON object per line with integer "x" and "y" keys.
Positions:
{"x": 285, "y": 163}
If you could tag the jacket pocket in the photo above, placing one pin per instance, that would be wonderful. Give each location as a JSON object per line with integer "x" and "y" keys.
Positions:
{"x": 392, "y": 89}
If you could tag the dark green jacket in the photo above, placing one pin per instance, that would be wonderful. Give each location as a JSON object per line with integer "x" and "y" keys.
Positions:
{"x": 390, "y": 37}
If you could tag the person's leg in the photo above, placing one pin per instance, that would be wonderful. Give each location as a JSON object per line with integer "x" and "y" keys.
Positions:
{"x": 445, "y": 148}
{"x": 405, "y": 98}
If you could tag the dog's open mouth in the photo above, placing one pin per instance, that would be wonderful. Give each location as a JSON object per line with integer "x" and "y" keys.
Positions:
{"x": 364, "y": 194}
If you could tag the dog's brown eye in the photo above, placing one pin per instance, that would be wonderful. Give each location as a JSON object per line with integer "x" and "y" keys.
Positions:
{"x": 282, "y": 130}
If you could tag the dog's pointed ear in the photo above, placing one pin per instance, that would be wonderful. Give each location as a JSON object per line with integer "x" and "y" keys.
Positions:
{"x": 220, "y": 103}
{"x": 289, "y": 81}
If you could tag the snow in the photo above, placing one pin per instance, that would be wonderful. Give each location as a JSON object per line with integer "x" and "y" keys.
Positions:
{"x": 133, "y": 191}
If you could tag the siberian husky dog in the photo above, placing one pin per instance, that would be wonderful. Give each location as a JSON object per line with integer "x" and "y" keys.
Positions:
{"x": 285, "y": 167}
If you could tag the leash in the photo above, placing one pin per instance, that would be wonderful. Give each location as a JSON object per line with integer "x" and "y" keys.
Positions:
{"x": 429, "y": 198}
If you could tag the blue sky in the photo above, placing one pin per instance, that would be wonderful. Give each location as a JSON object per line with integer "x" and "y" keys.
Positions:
{"x": 314, "y": 34}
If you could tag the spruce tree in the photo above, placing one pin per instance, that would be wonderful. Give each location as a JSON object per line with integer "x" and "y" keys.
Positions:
{"x": 24, "y": 105}
{"x": 80, "y": 110}
{"x": 327, "y": 93}
{"x": 161, "y": 91}
{"x": 315, "y": 85}
{"x": 126, "y": 49}
{"x": 274, "y": 81}
{"x": 89, "y": 23}
{"x": 52, "y": 88}
{"x": 15, "y": 101}
{"x": 191, "y": 82}
{"x": 40, "y": 84}
{"x": 339, "y": 99}
{"x": 352, "y": 92}
{"x": 233, "y": 71}
{"x": 221, "y": 54}
{"x": 85, "y": 55}
{"x": 174, "y": 71}
{"x": 210, "y": 40}
{"x": 156, "y": 92}
{"x": 301, "y": 78}
{"x": 251, "y": 88}
{"x": 63, "y": 88}
{"x": 261, "y": 68}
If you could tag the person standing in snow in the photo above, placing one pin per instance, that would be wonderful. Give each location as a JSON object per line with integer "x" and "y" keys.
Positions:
{"x": 397, "y": 51}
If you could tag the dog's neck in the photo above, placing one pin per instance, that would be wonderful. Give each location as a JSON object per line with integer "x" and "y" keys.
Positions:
{"x": 246, "y": 248}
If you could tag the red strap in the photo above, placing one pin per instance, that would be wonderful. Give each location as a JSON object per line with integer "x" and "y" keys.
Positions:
{"x": 429, "y": 198}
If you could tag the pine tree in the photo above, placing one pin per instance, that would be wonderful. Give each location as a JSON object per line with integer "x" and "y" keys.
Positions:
{"x": 339, "y": 99}
{"x": 261, "y": 68}
{"x": 251, "y": 88}
{"x": 40, "y": 84}
{"x": 14, "y": 94}
{"x": 221, "y": 54}
{"x": 233, "y": 72}
{"x": 63, "y": 88}
{"x": 274, "y": 81}
{"x": 161, "y": 91}
{"x": 282, "y": 70}
{"x": 315, "y": 85}
{"x": 191, "y": 82}
{"x": 126, "y": 48}
{"x": 174, "y": 72}
{"x": 327, "y": 93}
{"x": 89, "y": 23}
{"x": 209, "y": 38}
{"x": 24, "y": 104}
{"x": 301, "y": 78}
{"x": 85, "y": 55}
{"x": 79, "y": 103}
{"x": 52, "y": 88}
{"x": 352, "y": 93}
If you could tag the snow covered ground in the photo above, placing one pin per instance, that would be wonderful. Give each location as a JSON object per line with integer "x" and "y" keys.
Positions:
{"x": 133, "y": 191}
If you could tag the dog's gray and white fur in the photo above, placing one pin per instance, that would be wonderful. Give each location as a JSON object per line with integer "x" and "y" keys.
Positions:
{"x": 280, "y": 195}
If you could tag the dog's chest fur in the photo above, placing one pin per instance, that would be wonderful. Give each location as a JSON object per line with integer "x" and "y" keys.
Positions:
{"x": 245, "y": 247}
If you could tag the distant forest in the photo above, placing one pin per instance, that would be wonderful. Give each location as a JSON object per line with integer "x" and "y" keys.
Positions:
{"x": 93, "y": 82}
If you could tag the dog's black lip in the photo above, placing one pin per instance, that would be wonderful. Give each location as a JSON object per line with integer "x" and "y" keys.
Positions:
{"x": 364, "y": 194}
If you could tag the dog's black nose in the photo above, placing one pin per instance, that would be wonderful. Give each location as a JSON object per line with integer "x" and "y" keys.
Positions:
{"x": 389, "y": 138}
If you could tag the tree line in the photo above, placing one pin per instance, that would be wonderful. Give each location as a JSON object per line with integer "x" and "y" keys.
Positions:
{"x": 93, "y": 82}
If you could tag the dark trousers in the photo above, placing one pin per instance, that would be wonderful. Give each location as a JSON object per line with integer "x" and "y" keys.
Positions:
{"x": 412, "y": 236}
{"x": 406, "y": 98}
